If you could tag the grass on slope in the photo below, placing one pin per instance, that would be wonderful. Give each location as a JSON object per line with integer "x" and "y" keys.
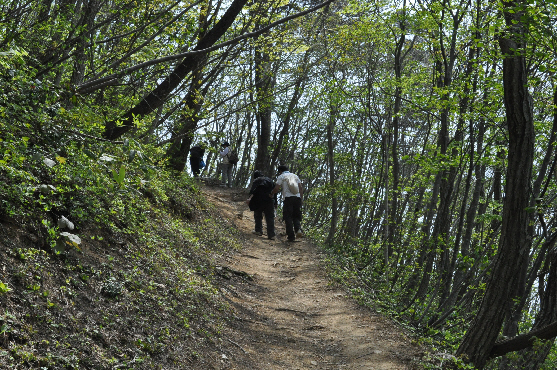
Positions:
{"x": 136, "y": 293}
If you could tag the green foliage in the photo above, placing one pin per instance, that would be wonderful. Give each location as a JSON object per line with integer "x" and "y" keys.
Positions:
{"x": 4, "y": 288}
{"x": 165, "y": 271}
{"x": 53, "y": 164}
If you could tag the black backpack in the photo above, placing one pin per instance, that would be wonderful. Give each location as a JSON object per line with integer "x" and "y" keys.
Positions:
{"x": 263, "y": 187}
{"x": 232, "y": 157}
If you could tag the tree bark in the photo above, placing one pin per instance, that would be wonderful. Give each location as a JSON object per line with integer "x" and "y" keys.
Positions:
{"x": 264, "y": 84}
{"x": 523, "y": 341}
{"x": 179, "y": 148}
{"x": 331, "y": 156}
{"x": 90, "y": 9}
{"x": 513, "y": 245}
{"x": 398, "y": 62}
{"x": 183, "y": 136}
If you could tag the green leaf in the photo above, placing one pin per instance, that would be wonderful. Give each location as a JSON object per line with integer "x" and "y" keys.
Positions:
{"x": 4, "y": 328}
{"x": 4, "y": 289}
{"x": 90, "y": 154}
{"x": 119, "y": 176}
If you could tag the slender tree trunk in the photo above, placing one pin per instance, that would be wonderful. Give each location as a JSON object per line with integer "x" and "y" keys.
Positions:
{"x": 440, "y": 235}
{"x": 264, "y": 83}
{"x": 280, "y": 146}
{"x": 89, "y": 12}
{"x": 243, "y": 174}
{"x": 398, "y": 61}
{"x": 331, "y": 158}
{"x": 179, "y": 148}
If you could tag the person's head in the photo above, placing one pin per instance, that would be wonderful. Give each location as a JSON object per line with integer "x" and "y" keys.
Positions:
{"x": 282, "y": 168}
{"x": 225, "y": 144}
{"x": 257, "y": 174}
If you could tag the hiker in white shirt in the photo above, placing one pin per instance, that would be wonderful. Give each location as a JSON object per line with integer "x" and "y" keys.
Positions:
{"x": 225, "y": 165}
{"x": 292, "y": 201}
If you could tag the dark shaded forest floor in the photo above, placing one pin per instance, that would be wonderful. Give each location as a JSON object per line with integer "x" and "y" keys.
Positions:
{"x": 289, "y": 316}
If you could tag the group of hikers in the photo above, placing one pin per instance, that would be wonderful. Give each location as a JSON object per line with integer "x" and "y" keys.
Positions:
{"x": 263, "y": 200}
{"x": 263, "y": 193}
{"x": 227, "y": 161}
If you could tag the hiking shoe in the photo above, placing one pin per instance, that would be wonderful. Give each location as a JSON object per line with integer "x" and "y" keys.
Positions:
{"x": 258, "y": 233}
{"x": 271, "y": 238}
{"x": 291, "y": 240}
{"x": 299, "y": 233}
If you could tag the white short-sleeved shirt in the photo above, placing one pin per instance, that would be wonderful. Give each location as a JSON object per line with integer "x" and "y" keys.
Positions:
{"x": 224, "y": 155}
{"x": 282, "y": 182}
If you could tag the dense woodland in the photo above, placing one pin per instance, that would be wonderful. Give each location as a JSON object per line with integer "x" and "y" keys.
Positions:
{"x": 424, "y": 132}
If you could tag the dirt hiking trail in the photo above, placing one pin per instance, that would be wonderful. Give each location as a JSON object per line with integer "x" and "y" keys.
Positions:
{"x": 287, "y": 314}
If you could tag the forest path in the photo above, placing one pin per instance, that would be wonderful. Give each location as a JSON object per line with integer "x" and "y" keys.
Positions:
{"x": 289, "y": 316}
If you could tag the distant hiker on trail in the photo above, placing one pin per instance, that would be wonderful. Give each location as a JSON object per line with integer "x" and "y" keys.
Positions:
{"x": 259, "y": 202}
{"x": 196, "y": 159}
{"x": 292, "y": 193}
{"x": 225, "y": 165}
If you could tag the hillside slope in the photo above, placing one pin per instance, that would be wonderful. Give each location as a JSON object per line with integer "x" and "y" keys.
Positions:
{"x": 137, "y": 294}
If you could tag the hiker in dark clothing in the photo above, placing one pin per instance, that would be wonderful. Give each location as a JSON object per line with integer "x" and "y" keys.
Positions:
{"x": 260, "y": 203}
{"x": 196, "y": 156}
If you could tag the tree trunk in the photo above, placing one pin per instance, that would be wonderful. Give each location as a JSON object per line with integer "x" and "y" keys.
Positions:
{"x": 513, "y": 245}
{"x": 179, "y": 148}
{"x": 393, "y": 206}
{"x": 331, "y": 156}
{"x": 264, "y": 84}
{"x": 278, "y": 154}
{"x": 89, "y": 12}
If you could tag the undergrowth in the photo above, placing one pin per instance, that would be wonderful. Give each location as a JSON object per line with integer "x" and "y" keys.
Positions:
{"x": 371, "y": 284}
{"x": 107, "y": 260}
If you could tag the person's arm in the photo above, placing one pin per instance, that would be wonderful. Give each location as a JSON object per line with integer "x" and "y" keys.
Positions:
{"x": 252, "y": 190}
{"x": 247, "y": 201}
{"x": 301, "y": 189}
{"x": 274, "y": 191}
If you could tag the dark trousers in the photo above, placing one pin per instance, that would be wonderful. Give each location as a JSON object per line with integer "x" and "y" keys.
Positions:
{"x": 292, "y": 215}
{"x": 194, "y": 164}
{"x": 269, "y": 210}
